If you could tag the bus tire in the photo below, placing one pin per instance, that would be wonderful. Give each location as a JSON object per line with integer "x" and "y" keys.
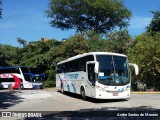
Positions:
{"x": 21, "y": 87}
{"x": 62, "y": 89}
{"x": 83, "y": 94}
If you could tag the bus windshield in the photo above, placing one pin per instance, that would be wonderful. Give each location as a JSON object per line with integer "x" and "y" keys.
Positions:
{"x": 113, "y": 70}
{"x": 25, "y": 70}
{"x": 32, "y": 74}
{"x": 35, "y": 71}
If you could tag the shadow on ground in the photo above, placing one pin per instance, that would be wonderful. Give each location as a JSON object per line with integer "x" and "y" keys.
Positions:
{"x": 140, "y": 113}
{"x": 104, "y": 113}
{"x": 8, "y": 99}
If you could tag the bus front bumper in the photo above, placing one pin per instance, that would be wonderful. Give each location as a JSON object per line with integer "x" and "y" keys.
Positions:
{"x": 112, "y": 94}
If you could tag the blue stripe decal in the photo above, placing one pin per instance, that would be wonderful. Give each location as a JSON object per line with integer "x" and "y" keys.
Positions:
{"x": 68, "y": 88}
{"x": 74, "y": 88}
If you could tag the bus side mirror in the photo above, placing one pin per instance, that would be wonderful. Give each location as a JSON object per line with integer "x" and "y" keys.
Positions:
{"x": 96, "y": 67}
{"x": 135, "y": 68}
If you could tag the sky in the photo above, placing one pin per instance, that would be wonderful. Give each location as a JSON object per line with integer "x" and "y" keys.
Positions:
{"x": 26, "y": 19}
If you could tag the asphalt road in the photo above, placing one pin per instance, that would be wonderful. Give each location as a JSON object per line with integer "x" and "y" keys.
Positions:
{"x": 53, "y": 104}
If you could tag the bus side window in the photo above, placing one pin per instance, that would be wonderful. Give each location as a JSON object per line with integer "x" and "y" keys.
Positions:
{"x": 59, "y": 70}
{"x": 82, "y": 64}
{"x": 64, "y": 67}
{"x": 69, "y": 67}
{"x": 76, "y": 65}
{"x": 90, "y": 58}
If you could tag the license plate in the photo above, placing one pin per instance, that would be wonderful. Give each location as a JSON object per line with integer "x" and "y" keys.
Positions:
{"x": 115, "y": 93}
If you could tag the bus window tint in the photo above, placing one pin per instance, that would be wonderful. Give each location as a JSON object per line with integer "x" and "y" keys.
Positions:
{"x": 105, "y": 64}
{"x": 75, "y": 65}
{"x": 35, "y": 71}
{"x": 59, "y": 69}
{"x": 70, "y": 67}
{"x": 82, "y": 64}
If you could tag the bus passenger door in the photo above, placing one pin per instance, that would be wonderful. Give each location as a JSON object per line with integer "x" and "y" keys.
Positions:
{"x": 91, "y": 77}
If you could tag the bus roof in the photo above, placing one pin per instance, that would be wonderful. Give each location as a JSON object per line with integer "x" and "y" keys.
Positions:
{"x": 90, "y": 53}
{"x": 9, "y": 67}
{"x": 13, "y": 67}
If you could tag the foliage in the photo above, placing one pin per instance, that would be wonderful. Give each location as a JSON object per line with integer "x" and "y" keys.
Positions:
{"x": 7, "y": 55}
{"x": 99, "y": 16}
{"x": 49, "y": 84}
{"x": 51, "y": 74}
{"x": 21, "y": 41}
{"x": 95, "y": 42}
{"x": 51, "y": 81}
{"x": 119, "y": 41}
{"x": 154, "y": 26}
{"x": 37, "y": 54}
{"x": 70, "y": 47}
{"x": 146, "y": 54}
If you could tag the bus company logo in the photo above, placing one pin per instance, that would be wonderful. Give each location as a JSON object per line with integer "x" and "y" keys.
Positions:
{"x": 70, "y": 76}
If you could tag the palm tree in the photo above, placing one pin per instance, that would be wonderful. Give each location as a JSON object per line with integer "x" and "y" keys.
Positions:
{"x": 21, "y": 42}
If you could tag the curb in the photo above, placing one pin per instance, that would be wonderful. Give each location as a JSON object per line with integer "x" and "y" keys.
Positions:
{"x": 145, "y": 92}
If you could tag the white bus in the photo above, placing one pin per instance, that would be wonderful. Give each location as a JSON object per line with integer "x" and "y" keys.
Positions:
{"x": 20, "y": 77}
{"x": 100, "y": 75}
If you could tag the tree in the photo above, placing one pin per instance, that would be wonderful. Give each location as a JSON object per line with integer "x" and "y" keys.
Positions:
{"x": 0, "y": 9}
{"x": 73, "y": 46}
{"x": 99, "y": 16}
{"x": 154, "y": 26}
{"x": 7, "y": 55}
{"x": 95, "y": 42}
{"x": 21, "y": 41}
{"x": 119, "y": 41}
{"x": 146, "y": 53}
{"x": 37, "y": 54}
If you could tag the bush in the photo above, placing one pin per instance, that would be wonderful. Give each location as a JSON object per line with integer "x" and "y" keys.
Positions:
{"x": 49, "y": 83}
{"x": 51, "y": 75}
{"x": 134, "y": 87}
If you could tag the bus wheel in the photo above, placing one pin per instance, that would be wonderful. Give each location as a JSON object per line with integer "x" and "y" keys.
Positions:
{"x": 83, "y": 94}
{"x": 21, "y": 87}
{"x": 62, "y": 89}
